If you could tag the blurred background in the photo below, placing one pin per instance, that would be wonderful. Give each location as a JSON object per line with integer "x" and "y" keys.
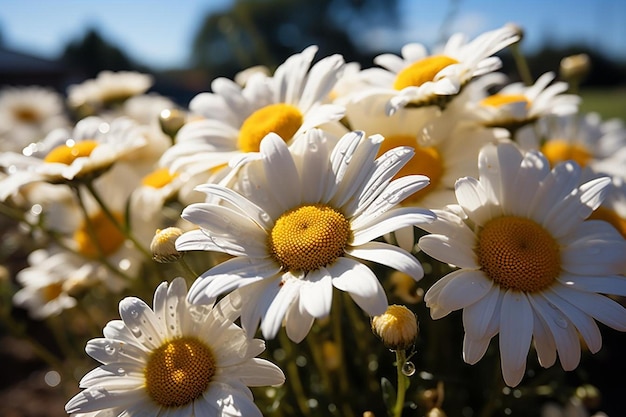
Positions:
{"x": 188, "y": 43}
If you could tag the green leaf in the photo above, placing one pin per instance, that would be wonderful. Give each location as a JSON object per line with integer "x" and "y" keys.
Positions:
{"x": 389, "y": 395}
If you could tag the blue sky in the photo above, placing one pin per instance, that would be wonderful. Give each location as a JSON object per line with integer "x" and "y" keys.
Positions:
{"x": 159, "y": 32}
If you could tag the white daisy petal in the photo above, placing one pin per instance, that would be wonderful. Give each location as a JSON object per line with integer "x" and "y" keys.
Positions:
{"x": 107, "y": 351}
{"x": 474, "y": 349}
{"x": 477, "y": 316}
{"x": 362, "y": 285}
{"x": 281, "y": 171}
{"x": 543, "y": 342}
{"x": 142, "y": 322}
{"x": 392, "y": 256}
{"x": 368, "y": 228}
{"x": 474, "y": 199}
{"x": 516, "y": 326}
{"x": 612, "y": 284}
{"x": 316, "y": 293}
{"x": 273, "y": 317}
{"x": 448, "y": 250}
{"x": 230, "y": 274}
{"x": 256, "y": 372}
{"x": 563, "y": 332}
{"x": 585, "y": 325}
{"x": 259, "y": 296}
{"x": 97, "y": 398}
{"x": 465, "y": 289}
{"x": 298, "y": 323}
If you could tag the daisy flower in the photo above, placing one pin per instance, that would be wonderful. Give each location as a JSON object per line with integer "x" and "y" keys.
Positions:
{"x": 517, "y": 105}
{"x": 92, "y": 147}
{"x": 418, "y": 78}
{"x": 531, "y": 269}
{"x": 174, "y": 359}
{"x": 28, "y": 114}
{"x": 45, "y": 284}
{"x": 235, "y": 118}
{"x": 306, "y": 227}
{"x": 107, "y": 88}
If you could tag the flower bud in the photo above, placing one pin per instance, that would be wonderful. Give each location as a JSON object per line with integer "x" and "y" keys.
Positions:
{"x": 171, "y": 120}
{"x": 575, "y": 67}
{"x": 163, "y": 245}
{"x": 397, "y": 327}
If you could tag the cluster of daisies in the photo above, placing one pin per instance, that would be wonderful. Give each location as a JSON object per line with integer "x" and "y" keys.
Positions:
{"x": 303, "y": 178}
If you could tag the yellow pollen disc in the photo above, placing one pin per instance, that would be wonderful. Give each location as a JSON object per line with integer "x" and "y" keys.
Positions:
{"x": 108, "y": 236}
{"x": 283, "y": 119}
{"x": 422, "y": 71}
{"x": 426, "y": 161}
{"x": 179, "y": 371}
{"x": 52, "y": 291}
{"x": 498, "y": 100}
{"x": 610, "y": 216}
{"x": 309, "y": 237}
{"x": 26, "y": 115}
{"x": 65, "y": 154}
{"x": 517, "y": 253}
{"x": 559, "y": 150}
{"x": 158, "y": 179}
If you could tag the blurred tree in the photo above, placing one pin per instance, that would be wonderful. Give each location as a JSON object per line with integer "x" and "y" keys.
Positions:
{"x": 93, "y": 53}
{"x": 266, "y": 32}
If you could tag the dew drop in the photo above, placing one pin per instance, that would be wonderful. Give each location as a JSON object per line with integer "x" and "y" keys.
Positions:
{"x": 561, "y": 322}
{"x": 134, "y": 314}
{"x": 109, "y": 349}
{"x": 121, "y": 371}
{"x": 408, "y": 368}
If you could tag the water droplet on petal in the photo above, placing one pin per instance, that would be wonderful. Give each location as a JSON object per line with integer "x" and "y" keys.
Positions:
{"x": 109, "y": 349}
{"x": 408, "y": 368}
{"x": 561, "y": 322}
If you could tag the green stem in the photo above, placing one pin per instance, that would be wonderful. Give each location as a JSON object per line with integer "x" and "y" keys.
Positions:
{"x": 402, "y": 383}
{"x": 344, "y": 384}
{"x": 186, "y": 268}
{"x": 521, "y": 64}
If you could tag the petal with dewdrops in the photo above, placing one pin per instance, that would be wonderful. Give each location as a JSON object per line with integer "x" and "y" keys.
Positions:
{"x": 142, "y": 322}
{"x": 584, "y": 323}
{"x": 563, "y": 332}
{"x": 98, "y": 398}
{"x": 612, "y": 284}
{"x": 108, "y": 351}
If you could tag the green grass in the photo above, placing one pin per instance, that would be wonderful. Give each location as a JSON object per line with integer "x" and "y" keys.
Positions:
{"x": 608, "y": 102}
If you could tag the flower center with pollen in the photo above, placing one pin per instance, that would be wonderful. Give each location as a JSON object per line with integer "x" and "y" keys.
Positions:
{"x": 426, "y": 161}
{"x": 99, "y": 235}
{"x": 309, "y": 237}
{"x": 68, "y": 153}
{"x": 422, "y": 71}
{"x": 158, "y": 178}
{"x": 517, "y": 253}
{"x": 559, "y": 150}
{"x": 282, "y": 119}
{"x": 179, "y": 371}
{"x": 499, "y": 100}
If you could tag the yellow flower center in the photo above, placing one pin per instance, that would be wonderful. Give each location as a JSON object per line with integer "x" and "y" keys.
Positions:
{"x": 99, "y": 235}
{"x": 309, "y": 237}
{"x": 426, "y": 161}
{"x": 159, "y": 178}
{"x": 422, "y": 71}
{"x": 26, "y": 114}
{"x": 68, "y": 153}
{"x": 517, "y": 253}
{"x": 52, "y": 291}
{"x": 179, "y": 371}
{"x": 498, "y": 100}
{"x": 610, "y": 216}
{"x": 560, "y": 150}
{"x": 283, "y": 119}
